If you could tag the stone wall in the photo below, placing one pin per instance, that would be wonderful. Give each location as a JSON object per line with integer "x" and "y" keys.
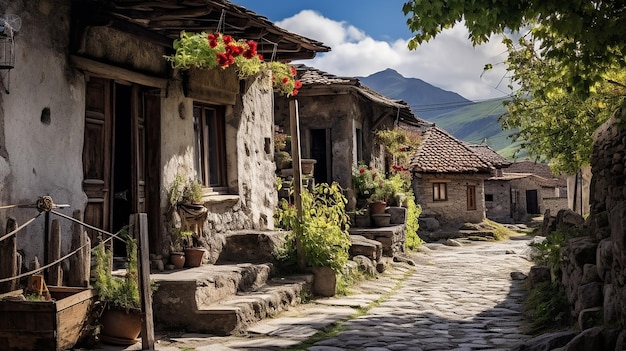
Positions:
{"x": 342, "y": 114}
{"x": 594, "y": 274}
{"x": 452, "y": 212}
{"x": 499, "y": 208}
{"x": 554, "y": 204}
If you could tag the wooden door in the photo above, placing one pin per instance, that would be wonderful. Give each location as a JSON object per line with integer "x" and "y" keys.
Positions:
{"x": 97, "y": 154}
{"x": 532, "y": 202}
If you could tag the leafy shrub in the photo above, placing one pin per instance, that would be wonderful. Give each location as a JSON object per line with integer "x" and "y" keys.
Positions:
{"x": 323, "y": 230}
{"x": 412, "y": 240}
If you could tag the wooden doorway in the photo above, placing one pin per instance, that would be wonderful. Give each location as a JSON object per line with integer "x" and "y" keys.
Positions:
{"x": 532, "y": 202}
{"x": 119, "y": 119}
{"x": 320, "y": 151}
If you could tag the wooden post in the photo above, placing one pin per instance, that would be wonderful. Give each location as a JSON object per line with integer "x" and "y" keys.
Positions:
{"x": 55, "y": 274}
{"x": 294, "y": 126}
{"x": 80, "y": 263}
{"x": 8, "y": 258}
{"x": 143, "y": 260}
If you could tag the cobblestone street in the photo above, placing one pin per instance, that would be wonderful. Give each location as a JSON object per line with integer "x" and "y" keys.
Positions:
{"x": 455, "y": 298}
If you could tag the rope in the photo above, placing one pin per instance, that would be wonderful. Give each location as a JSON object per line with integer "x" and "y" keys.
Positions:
{"x": 12, "y": 206}
{"x": 87, "y": 225}
{"x": 64, "y": 257}
{"x": 45, "y": 203}
{"x": 20, "y": 227}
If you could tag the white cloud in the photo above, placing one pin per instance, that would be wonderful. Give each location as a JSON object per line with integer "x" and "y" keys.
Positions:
{"x": 449, "y": 61}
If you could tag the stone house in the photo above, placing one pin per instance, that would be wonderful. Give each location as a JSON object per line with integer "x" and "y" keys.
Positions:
{"x": 526, "y": 188}
{"x": 95, "y": 117}
{"x": 449, "y": 177}
{"x": 338, "y": 120}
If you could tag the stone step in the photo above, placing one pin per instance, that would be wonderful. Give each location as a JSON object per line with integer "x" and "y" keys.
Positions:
{"x": 251, "y": 246}
{"x": 235, "y": 314}
{"x": 222, "y": 299}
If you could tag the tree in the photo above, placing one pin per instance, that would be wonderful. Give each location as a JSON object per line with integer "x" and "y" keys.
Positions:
{"x": 586, "y": 37}
{"x": 570, "y": 65}
{"x": 553, "y": 121}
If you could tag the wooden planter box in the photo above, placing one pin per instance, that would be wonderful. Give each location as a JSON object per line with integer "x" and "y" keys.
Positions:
{"x": 46, "y": 325}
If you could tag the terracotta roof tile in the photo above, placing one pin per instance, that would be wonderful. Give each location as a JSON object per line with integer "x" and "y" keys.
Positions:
{"x": 489, "y": 154}
{"x": 440, "y": 152}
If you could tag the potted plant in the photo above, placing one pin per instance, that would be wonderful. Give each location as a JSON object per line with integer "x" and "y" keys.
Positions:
{"x": 383, "y": 193}
{"x": 180, "y": 239}
{"x": 121, "y": 314}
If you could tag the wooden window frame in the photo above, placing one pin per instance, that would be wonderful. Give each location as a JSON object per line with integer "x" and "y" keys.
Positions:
{"x": 471, "y": 198}
{"x": 210, "y": 144}
{"x": 438, "y": 189}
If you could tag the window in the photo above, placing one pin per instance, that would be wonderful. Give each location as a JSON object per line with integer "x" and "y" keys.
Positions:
{"x": 488, "y": 197}
{"x": 440, "y": 192}
{"x": 471, "y": 197}
{"x": 210, "y": 150}
{"x": 359, "y": 144}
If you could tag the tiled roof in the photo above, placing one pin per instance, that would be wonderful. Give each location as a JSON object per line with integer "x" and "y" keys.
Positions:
{"x": 162, "y": 21}
{"x": 489, "y": 154}
{"x": 538, "y": 169}
{"x": 440, "y": 152}
{"x": 313, "y": 78}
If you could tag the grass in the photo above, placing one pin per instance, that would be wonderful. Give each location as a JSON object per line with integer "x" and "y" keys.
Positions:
{"x": 500, "y": 232}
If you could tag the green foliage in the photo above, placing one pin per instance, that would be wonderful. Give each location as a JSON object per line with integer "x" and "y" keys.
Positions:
{"x": 412, "y": 240}
{"x": 548, "y": 251}
{"x": 384, "y": 191}
{"x": 549, "y": 309}
{"x": 122, "y": 292}
{"x": 364, "y": 180}
{"x": 399, "y": 143}
{"x": 552, "y": 120}
{"x": 184, "y": 190}
{"x": 180, "y": 239}
{"x": 586, "y": 38}
{"x": 323, "y": 230}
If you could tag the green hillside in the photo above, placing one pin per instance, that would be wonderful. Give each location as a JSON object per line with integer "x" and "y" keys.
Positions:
{"x": 469, "y": 121}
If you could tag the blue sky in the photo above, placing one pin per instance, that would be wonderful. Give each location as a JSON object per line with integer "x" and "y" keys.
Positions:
{"x": 368, "y": 36}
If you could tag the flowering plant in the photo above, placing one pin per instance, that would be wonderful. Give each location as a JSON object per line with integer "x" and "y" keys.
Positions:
{"x": 364, "y": 180}
{"x": 208, "y": 51}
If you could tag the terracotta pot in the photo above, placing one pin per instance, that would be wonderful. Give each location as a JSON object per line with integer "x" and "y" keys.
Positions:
{"x": 177, "y": 259}
{"x": 120, "y": 327}
{"x": 193, "y": 256}
{"x": 307, "y": 165}
{"x": 378, "y": 207}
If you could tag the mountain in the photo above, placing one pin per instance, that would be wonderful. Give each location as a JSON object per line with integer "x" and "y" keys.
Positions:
{"x": 425, "y": 99}
{"x": 469, "y": 121}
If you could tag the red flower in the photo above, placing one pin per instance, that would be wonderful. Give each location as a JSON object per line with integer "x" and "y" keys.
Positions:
{"x": 252, "y": 45}
{"x": 227, "y": 39}
{"x": 234, "y": 50}
{"x": 249, "y": 54}
{"x": 260, "y": 57}
{"x": 285, "y": 80}
{"x": 212, "y": 40}
{"x": 294, "y": 92}
{"x": 223, "y": 60}
{"x": 293, "y": 71}
{"x": 361, "y": 170}
{"x": 298, "y": 84}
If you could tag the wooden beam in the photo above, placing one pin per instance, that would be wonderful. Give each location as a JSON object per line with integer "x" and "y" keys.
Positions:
{"x": 143, "y": 260}
{"x": 8, "y": 258}
{"x": 294, "y": 125}
{"x": 55, "y": 274}
{"x": 114, "y": 72}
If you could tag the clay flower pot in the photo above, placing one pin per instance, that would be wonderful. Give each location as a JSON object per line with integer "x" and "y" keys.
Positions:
{"x": 378, "y": 207}
{"x": 120, "y": 327}
{"x": 193, "y": 256}
{"x": 177, "y": 259}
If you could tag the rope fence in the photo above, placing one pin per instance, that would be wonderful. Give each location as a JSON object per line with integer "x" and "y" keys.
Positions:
{"x": 45, "y": 205}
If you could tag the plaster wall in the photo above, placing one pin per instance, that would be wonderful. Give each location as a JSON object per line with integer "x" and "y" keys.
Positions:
{"x": 500, "y": 207}
{"x": 252, "y": 196}
{"x": 453, "y": 211}
{"x": 41, "y": 121}
{"x": 341, "y": 113}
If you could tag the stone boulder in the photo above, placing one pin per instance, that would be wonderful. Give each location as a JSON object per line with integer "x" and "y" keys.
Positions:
{"x": 547, "y": 342}
{"x": 597, "y": 338}
{"x": 365, "y": 265}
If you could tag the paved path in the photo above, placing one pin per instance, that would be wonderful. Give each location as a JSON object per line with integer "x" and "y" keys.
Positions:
{"x": 455, "y": 298}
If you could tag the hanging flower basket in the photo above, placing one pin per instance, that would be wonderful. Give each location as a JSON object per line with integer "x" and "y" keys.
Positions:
{"x": 216, "y": 50}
